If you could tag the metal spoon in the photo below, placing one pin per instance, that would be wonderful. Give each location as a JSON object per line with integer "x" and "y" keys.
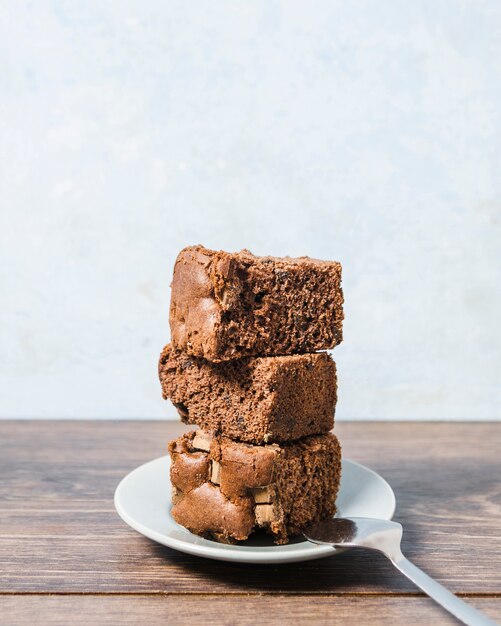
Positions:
{"x": 385, "y": 537}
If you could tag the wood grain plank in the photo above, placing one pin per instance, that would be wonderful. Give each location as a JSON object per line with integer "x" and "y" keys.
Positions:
{"x": 59, "y": 531}
{"x": 238, "y": 611}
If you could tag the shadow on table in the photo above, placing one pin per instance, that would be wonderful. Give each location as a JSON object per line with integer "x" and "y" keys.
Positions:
{"x": 357, "y": 569}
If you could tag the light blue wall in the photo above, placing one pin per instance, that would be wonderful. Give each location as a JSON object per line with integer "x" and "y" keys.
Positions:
{"x": 368, "y": 132}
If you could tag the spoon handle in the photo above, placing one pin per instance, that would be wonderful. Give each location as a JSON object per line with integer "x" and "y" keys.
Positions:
{"x": 463, "y": 611}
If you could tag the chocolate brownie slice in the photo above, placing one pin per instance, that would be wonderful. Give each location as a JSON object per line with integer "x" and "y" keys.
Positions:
{"x": 224, "y": 490}
{"x": 254, "y": 399}
{"x": 229, "y": 305}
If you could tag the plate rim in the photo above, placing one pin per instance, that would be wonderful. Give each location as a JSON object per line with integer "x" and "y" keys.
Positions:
{"x": 287, "y": 553}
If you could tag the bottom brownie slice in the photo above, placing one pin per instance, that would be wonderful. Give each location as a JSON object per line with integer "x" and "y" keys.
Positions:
{"x": 224, "y": 489}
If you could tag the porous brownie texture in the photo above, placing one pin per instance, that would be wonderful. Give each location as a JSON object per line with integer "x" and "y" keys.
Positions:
{"x": 230, "y": 305}
{"x": 254, "y": 399}
{"x": 224, "y": 490}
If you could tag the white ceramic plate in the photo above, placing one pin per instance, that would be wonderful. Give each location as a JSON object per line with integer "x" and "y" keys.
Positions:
{"x": 142, "y": 500}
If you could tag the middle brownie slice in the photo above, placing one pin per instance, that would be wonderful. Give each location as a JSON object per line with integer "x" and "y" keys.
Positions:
{"x": 256, "y": 399}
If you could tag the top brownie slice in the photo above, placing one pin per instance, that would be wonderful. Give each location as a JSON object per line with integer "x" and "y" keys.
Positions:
{"x": 229, "y": 305}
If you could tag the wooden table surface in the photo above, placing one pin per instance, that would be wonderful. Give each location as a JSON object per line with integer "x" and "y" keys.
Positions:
{"x": 66, "y": 557}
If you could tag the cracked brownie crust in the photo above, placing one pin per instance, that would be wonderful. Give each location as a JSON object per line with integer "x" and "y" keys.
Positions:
{"x": 257, "y": 400}
{"x": 224, "y": 489}
{"x": 229, "y": 305}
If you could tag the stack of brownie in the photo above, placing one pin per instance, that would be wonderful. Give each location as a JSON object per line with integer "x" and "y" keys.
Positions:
{"x": 243, "y": 366}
